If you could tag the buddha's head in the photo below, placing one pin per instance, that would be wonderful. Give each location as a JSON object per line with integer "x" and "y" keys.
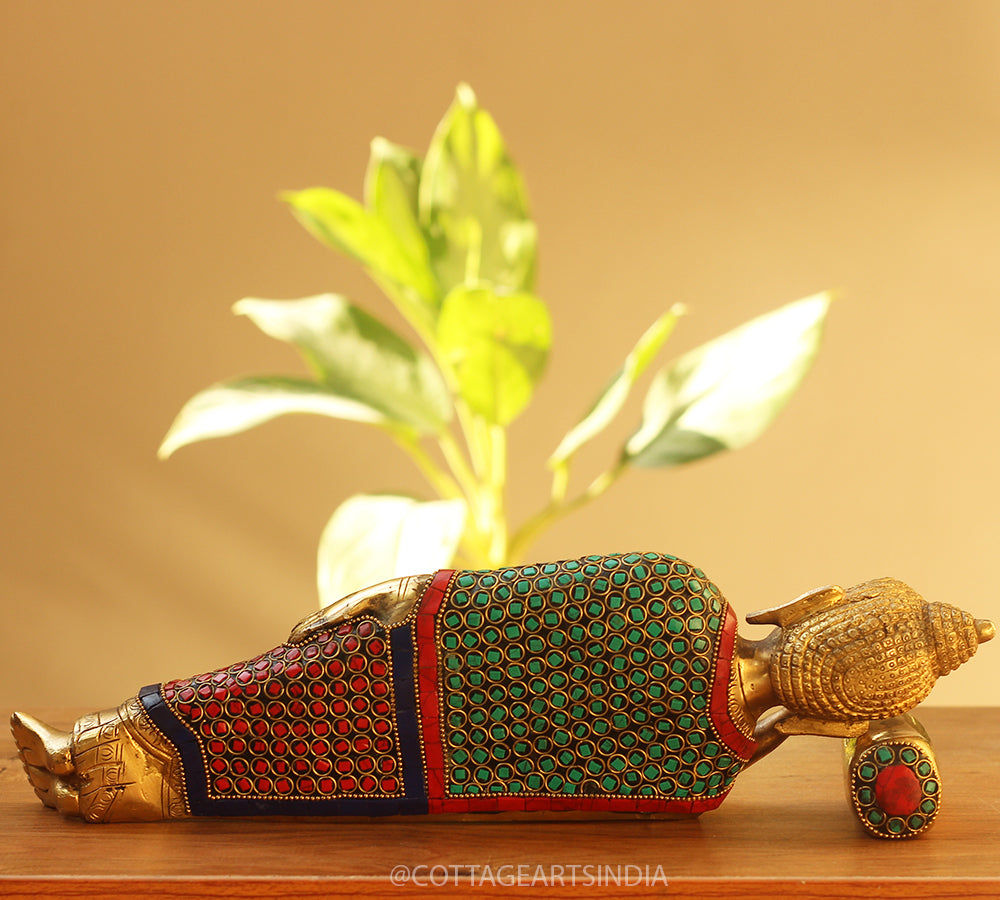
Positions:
{"x": 871, "y": 652}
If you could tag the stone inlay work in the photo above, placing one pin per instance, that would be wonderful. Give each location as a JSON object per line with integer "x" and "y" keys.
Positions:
{"x": 308, "y": 721}
{"x": 896, "y": 789}
{"x": 584, "y": 678}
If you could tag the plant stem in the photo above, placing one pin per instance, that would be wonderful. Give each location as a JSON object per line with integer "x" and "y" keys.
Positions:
{"x": 458, "y": 465}
{"x": 496, "y": 513}
{"x": 557, "y": 509}
{"x": 446, "y": 486}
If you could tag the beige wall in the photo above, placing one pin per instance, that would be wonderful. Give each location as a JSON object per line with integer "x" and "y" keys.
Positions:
{"x": 733, "y": 156}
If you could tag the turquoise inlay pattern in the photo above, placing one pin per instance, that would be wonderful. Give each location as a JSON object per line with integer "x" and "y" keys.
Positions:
{"x": 588, "y": 678}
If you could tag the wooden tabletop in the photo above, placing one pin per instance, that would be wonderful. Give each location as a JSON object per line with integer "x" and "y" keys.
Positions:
{"x": 786, "y": 829}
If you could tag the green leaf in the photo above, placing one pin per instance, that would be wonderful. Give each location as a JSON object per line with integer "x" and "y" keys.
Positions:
{"x": 372, "y": 538}
{"x": 235, "y": 406}
{"x": 473, "y": 203}
{"x": 497, "y": 346}
{"x": 357, "y": 357}
{"x": 613, "y": 397}
{"x": 725, "y": 394}
{"x": 344, "y": 224}
{"x": 391, "y": 184}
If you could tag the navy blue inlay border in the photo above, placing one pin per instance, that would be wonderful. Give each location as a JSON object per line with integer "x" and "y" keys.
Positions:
{"x": 413, "y": 801}
{"x": 407, "y": 723}
{"x": 186, "y": 743}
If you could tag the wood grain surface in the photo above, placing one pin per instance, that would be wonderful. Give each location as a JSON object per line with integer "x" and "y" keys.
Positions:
{"x": 786, "y": 829}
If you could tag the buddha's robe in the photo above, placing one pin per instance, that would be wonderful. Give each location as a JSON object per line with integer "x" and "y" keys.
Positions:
{"x": 602, "y": 684}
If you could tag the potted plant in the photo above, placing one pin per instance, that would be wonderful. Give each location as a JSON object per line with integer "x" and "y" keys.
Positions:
{"x": 450, "y": 240}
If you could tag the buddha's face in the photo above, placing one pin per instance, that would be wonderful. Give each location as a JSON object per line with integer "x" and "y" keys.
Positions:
{"x": 874, "y": 655}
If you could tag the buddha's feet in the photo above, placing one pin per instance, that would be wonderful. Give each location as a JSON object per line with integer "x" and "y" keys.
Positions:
{"x": 113, "y": 766}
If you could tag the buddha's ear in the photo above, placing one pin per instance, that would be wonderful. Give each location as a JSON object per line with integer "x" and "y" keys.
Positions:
{"x": 801, "y": 608}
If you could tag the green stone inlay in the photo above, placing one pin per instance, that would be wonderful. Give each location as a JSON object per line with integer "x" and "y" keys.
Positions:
{"x": 924, "y": 768}
{"x": 908, "y": 755}
{"x": 512, "y": 631}
{"x": 639, "y": 656}
{"x": 884, "y": 755}
{"x": 928, "y": 806}
{"x": 615, "y": 682}
{"x": 597, "y": 629}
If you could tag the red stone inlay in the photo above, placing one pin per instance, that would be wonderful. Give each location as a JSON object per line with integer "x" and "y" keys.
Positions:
{"x": 898, "y": 791}
{"x": 321, "y": 707}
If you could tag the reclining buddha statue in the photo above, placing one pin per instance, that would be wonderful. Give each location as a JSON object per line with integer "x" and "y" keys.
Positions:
{"x": 595, "y": 686}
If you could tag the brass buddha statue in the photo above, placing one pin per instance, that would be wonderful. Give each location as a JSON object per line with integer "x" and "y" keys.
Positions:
{"x": 596, "y": 686}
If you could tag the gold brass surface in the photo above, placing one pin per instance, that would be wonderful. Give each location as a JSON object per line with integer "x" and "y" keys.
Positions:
{"x": 389, "y": 601}
{"x": 871, "y": 653}
{"x": 119, "y": 768}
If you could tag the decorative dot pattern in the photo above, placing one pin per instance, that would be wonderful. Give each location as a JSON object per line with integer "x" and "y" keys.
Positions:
{"x": 586, "y": 678}
{"x": 881, "y": 764}
{"x": 312, "y": 720}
